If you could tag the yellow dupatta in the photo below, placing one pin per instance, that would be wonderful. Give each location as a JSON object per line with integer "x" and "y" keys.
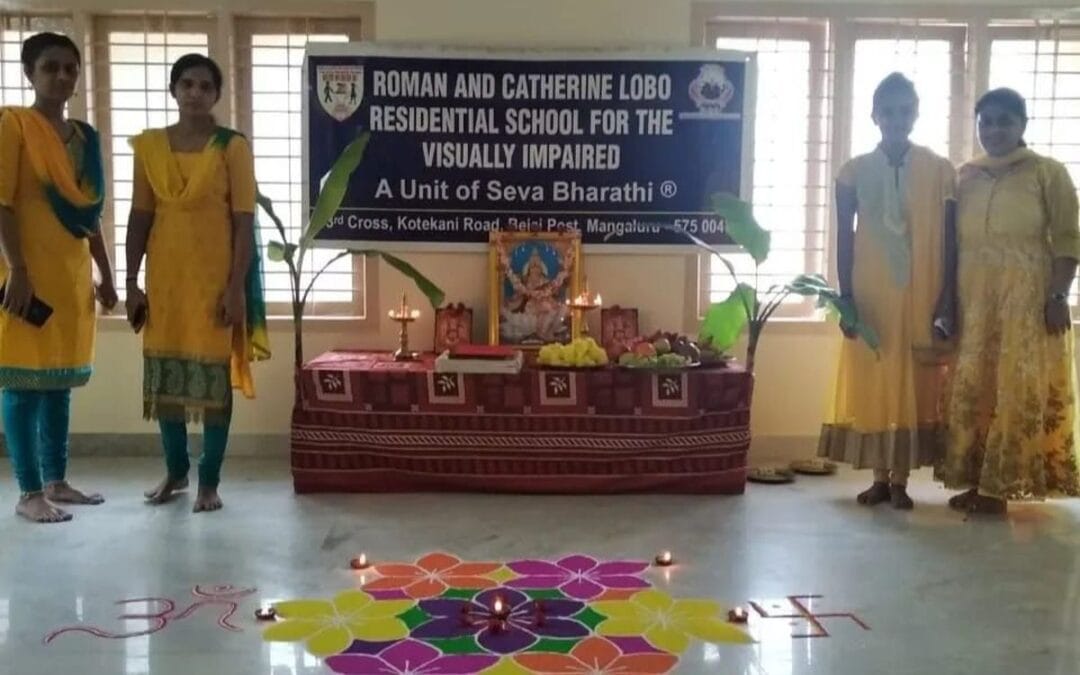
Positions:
{"x": 251, "y": 341}
{"x": 78, "y": 210}
{"x": 990, "y": 163}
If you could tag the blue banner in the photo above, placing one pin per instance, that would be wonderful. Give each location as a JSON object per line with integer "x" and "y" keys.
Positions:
{"x": 617, "y": 146}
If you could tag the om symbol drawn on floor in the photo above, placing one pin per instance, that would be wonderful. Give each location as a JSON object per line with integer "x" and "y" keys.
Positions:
{"x": 224, "y": 597}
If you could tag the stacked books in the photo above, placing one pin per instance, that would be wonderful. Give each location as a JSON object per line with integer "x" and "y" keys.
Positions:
{"x": 482, "y": 359}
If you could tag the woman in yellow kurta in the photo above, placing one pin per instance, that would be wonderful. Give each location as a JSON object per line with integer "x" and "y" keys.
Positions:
{"x": 1012, "y": 406}
{"x": 51, "y": 191}
{"x": 193, "y": 207}
{"x": 885, "y": 413}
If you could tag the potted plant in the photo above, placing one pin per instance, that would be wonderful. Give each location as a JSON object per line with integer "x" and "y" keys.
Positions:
{"x": 331, "y": 194}
{"x": 747, "y": 307}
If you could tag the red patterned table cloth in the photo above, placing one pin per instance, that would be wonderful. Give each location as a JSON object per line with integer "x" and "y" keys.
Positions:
{"x": 367, "y": 424}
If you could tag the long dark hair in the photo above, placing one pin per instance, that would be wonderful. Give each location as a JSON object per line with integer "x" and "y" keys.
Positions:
{"x": 1008, "y": 100}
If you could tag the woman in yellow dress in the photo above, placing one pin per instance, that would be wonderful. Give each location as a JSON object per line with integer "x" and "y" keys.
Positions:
{"x": 896, "y": 269}
{"x": 51, "y": 191}
{"x": 192, "y": 216}
{"x": 1012, "y": 406}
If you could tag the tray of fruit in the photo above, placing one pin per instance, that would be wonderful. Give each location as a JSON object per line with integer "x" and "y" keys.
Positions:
{"x": 581, "y": 354}
{"x": 660, "y": 352}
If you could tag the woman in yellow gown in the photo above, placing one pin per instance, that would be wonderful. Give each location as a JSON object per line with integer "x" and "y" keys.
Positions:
{"x": 192, "y": 215}
{"x": 895, "y": 267}
{"x": 51, "y": 191}
{"x": 1012, "y": 406}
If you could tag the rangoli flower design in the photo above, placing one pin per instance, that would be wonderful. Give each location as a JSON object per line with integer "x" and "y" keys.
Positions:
{"x": 329, "y": 627}
{"x": 597, "y": 656}
{"x": 523, "y": 621}
{"x": 442, "y": 616}
{"x": 667, "y": 623}
{"x": 411, "y": 657}
{"x": 432, "y": 575}
{"x": 579, "y": 576}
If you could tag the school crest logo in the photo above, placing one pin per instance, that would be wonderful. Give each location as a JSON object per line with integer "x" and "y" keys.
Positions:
{"x": 711, "y": 90}
{"x": 340, "y": 89}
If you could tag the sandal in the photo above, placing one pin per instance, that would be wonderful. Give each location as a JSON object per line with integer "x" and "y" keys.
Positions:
{"x": 876, "y": 494}
{"x": 962, "y": 501}
{"x": 900, "y": 499}
{"x": 773, "y": 475}
{"x": 814, "y": 467}
{"x": 988, "y": 506}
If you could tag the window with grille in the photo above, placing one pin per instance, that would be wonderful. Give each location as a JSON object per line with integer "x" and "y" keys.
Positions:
{"x": 133, "y": 56}
{"x": 14, "y": 28}
{"x": 269, "y": 75}
{"x": 933, "y": 56}
{"x": 1041, "y": 60}
{"x": 790, "y": 149}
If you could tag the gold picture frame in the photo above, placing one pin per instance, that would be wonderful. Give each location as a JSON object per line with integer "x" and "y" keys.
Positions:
{"x": 531, "y": 275}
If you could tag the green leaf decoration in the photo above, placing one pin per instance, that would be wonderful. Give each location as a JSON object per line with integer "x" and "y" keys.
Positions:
{"x": 742, "y": 227}
{"x": 590, "y": 617}
{"x": 545, "y": 594}
{"x": 415, "y": 617}
{"x": 724, "y": 321}
{"x": 334, "y": 187}
{"x": 432, "y": 292}
{"x": 459, "y": 594}
{"x": 551, "y": 645}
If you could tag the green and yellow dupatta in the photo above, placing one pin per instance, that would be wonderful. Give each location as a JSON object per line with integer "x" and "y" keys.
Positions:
{"x": 170, "y": 189}
{"x": 76, "y": 203}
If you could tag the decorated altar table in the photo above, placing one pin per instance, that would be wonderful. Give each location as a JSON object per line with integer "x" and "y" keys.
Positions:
{"x": 365, "y": 423}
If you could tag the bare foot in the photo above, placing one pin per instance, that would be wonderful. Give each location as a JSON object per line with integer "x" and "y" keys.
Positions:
{"x": 962, "y": 501}
{"x": 62, "y": 492}
{"x": 900, "y": 499}
{"x": 207, "y": 500}
{"x": 165, "y": 490}
{"x": 35, "y": 508}
{"x": 878, "y": 493}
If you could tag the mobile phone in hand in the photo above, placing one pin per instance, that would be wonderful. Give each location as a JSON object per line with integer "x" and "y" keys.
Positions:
{"x": 39, "y": 312}
{"x": 941, "y": 329}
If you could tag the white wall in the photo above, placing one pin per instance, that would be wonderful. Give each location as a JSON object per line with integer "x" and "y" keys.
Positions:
{"x": 795, "y": 361}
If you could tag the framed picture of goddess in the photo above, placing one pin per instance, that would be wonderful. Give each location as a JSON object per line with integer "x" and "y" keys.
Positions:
{"x": 531, "y": 276}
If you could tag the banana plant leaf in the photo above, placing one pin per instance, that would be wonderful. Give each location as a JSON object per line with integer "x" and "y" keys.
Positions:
{"x": 279, "y": 252}
{"x": 333, "y": 188}
{"x": 433, "y": 293}
{"x": 742, "y": 227}
{"x": 828, "y": 298}
{"x": 724, "y": 321}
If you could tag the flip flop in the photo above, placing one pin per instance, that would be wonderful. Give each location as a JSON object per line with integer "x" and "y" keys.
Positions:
{"x": 814, "y": 467}
{"x": 772, "y": 475}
